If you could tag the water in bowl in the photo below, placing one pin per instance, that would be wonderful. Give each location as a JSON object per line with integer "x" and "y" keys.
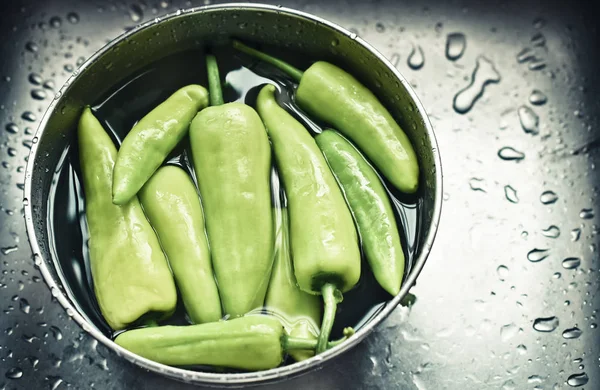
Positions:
{"x": 119, "y": 110}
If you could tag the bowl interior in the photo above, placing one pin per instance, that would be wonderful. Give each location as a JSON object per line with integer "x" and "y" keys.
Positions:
{"x": 196, "y": 30}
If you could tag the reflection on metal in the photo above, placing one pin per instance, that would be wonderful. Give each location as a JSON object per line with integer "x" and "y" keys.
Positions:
{"x": 451, "y": 337}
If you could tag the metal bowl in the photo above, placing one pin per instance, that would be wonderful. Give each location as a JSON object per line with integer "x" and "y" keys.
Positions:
{"x": 195, "y": 28}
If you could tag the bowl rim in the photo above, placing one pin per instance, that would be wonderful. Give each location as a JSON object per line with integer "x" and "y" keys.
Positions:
{"x": 250, "y": 378}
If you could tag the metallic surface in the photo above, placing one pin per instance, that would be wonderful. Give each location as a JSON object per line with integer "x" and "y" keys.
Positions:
{"x": 191, "y": 29}
{"x": 479, "y": 299}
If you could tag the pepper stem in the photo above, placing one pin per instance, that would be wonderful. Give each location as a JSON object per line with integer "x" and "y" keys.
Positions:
{"x": 292, "y": 71}
{"x": 214, "y": 81}
{"x": 292, "y": 343}
{"x": 296, "y": 343}
{"x": 329, "y": 298}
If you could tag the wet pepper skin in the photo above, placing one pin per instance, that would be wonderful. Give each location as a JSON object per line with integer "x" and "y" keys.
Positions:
{"x": 171, "y": 203}
{"x": 333, "y": 95}
{"x": 324, "y": 242}
{"x": 336, "y": 97}
{"x": 254, "y": 342}
{"x": 232, "y": 161}
{"x": 149, "y": 142}
{"x": 370, "y": 206}
{"x": 323, "y": 238}
{"x": 299, "y": 311}
{"x": 129, "y": 270}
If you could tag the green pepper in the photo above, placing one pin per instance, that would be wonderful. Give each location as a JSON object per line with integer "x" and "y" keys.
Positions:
{"x": 129, "y": 270}
{"x": 299, "y": 311}
{"x": 149, "y": 142}
{"x": 323, "y": 237}
{"x": 232, "y": 161}
{"x": 252, "y": 342}
{"x": 171, "y": 203}
{"x": 370, "y": 206}
{"x": 336, "y": 97}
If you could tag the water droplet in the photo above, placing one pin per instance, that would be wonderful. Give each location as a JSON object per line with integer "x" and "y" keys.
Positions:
{"x": 525, "y": 55}
{"x": 484, "y": 73}
{"x": 509, "y": 385}
{"x": 8, "y": 249}
{"x": 68, "y": 68}
{"x": 24, "y": 306}
{"x": 12, "y": 152}
{"x": 572, "y": 333}
{"x": 54, "y": 381}
{"x": 511, "y": 194}
{"x": 32, "y": 47}
{"x": 56, "y": 333}
{"x": 508, "y": 153}
{"x": 575, "y": 234}
{"x": 12, "y": 128}
{"x": 379, "y": 27}
{"x": 548, "y": 197}
{"x": 165, "y": 3}
{"x": 538, "y": 39}
{"x": 545, "y": 324}
{"x": 571, "y": 262}
{"x": 577, "y": 380}
{"x": 35, "y": 79}
{"x": 586, "y": 214}
{"x": 456, "y": 44}
{"x": 534, "y": 379}
{"x": 38, "y": 94}
{"x": 521, "y": 349}
{"x": 33, "y": 361}
{"x": 539, "y": 23}
{"x": 536, "y": 255}
{"x": 529, "y": 120}
{"x": 48, "y": 84}
{"x": 14, "y": 373}
{"x": 537, "y": 98}
{"x": 55, "y": 22}
{"x": 395, "y": 59}
{"x": 135, "y": 13}
{"x": 29, "y": 116}
{"x": 551, "y": 231}
{"x": 73, "y": 17}
{"x": 502, "y": 272}
{"x": 537, "y": 64}
{"x": 416, "y": 58}
{"x": 477, "y": 184}
{"x": 508, "y": 331}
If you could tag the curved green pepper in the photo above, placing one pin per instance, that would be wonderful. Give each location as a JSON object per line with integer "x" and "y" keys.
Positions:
{"x": 371, "y": 209}
{"x": 299, "y": 311}
{"x": 149, "y": 142}
{"x": 171, "y": 203}
{"x": 232, "y": 161}
{"x": 252, "y": 342}
{"x": 336, "y": 97}
{"x": 129, "y": 270}
{"x": 323, "y": 237}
